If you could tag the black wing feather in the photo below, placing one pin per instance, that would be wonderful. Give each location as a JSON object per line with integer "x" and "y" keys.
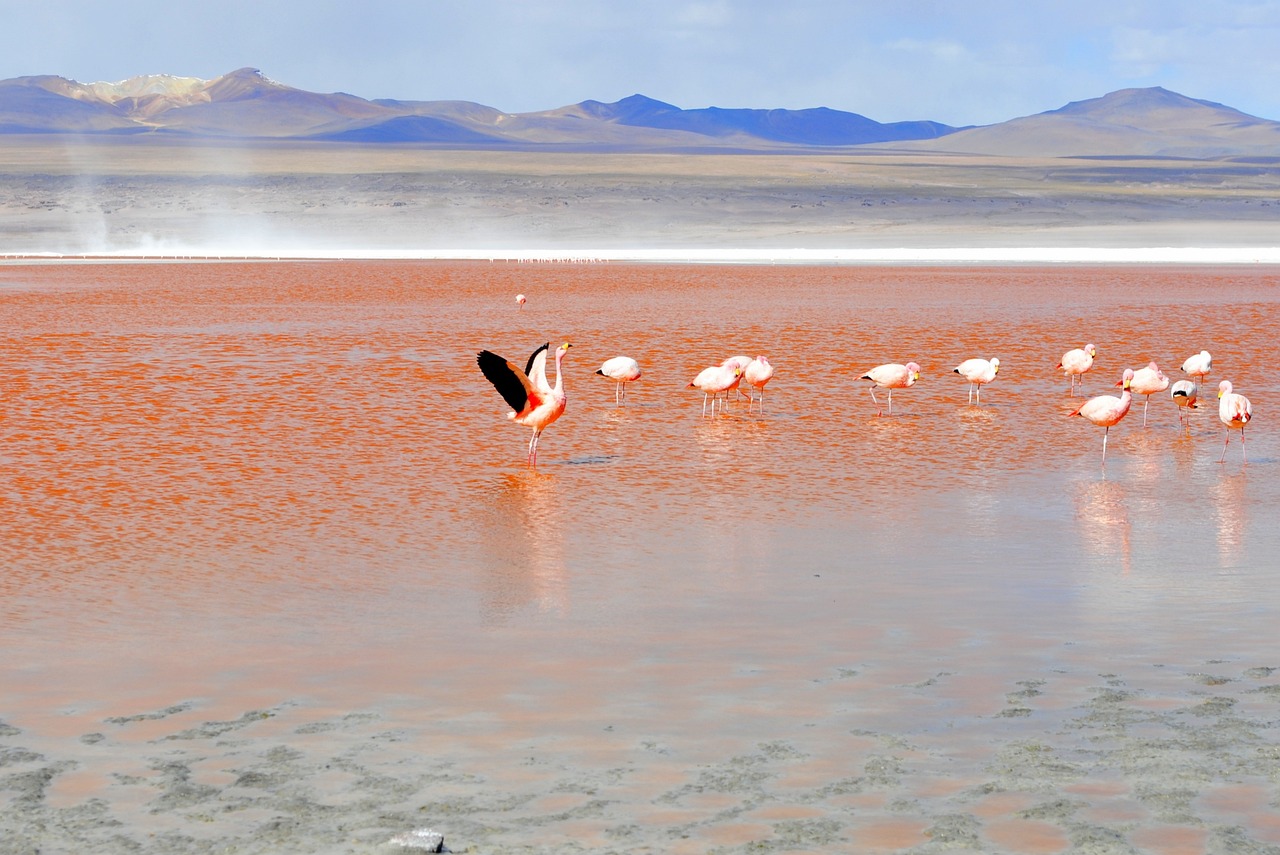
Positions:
{"x": 504, "y": 377}
{"x": 528, "y": 366}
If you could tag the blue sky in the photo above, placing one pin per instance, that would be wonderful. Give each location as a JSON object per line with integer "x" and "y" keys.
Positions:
{"x": 955, "y": 62}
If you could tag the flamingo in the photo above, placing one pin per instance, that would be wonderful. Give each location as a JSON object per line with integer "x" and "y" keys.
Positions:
{"x": 1184, "y": 394}
{"x": 1234, "y": 411}
{"x": 757, "y": 373}
{"x": 1107, "y": 410}
{"x": 1076, "y": 362}
{"x": 742, "y": 362}
{"x": 1198, "y": 366}
{"x": 1147, "y": 381}
{"x": 622, "y": 369}
{"x": 891, "y": 376}
{"x": 533, "y": 401}
{"x": 714, "y": 380}
{"x": 519, "y": 301}
{"x": 978, "y": 372}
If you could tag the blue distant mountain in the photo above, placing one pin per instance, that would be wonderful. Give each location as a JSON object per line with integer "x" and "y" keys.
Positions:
{"x": 818, "y": 126}
{"x": 246, "y": 105}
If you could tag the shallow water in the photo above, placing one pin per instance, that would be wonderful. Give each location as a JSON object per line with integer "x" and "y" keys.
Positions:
{"x": 287, "y": 486}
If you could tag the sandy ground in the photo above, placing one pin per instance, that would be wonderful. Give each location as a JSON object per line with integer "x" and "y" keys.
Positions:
{"x": 118, "y": 196}
{"x": 1168, "y": 759}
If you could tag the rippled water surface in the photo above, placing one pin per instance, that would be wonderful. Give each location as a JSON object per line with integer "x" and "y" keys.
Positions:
{"x": 245, "y": 483}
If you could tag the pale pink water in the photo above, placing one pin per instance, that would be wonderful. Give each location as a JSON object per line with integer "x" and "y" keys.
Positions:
{"x": 266, "y": 484}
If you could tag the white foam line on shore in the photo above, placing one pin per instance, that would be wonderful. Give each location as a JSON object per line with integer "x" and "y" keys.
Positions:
{"x": 904, "y": 255}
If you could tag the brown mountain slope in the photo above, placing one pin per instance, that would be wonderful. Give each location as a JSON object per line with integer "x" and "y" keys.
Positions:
{"x": 1129, "y": 122}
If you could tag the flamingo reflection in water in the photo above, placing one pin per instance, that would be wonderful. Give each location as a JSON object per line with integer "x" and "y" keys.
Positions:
{"x": 1103, "y": 519}
{"x": 522, "y": 531}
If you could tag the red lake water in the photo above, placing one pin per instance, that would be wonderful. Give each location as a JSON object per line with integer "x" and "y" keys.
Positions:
{"x": 287, "y": 487}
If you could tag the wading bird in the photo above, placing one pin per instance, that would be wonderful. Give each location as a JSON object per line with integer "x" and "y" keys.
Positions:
{"x": 1198, "y": 366}
{"x": 891, "y": 376}
{"x": 534, "y": 402}
{"x": 519, "y": 301}
{"x": 1234, "y": 411}
{"x": 715, "y": 380}
{"x": 622, "y": 370}
{"x": 741, "y": 362}
{"x": 1107, "y": 410}
{"x": 1076, "y": 362}
{"x": 978, "y": 372}
{"x": 757, "y": 373}
{"x": 1184, "y": 394}
{"x": 1147, "y": 381}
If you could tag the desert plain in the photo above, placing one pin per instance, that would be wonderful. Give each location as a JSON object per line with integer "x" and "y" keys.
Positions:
{"x": 66, "y": 195}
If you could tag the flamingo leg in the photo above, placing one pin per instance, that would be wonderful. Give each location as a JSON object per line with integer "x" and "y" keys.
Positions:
{"x": 978, "y": 390}
{"x": 873, "y": 397}
{"x": 1225, "y": 443}
{"x": 1145, "y": 404}
{"x": 762, "y": 400}
{"x": 1105, "y": 432}
{"x": 890, "y": 402}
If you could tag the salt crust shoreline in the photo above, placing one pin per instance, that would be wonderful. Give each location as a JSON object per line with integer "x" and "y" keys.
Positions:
{"x": 913, "y": 255}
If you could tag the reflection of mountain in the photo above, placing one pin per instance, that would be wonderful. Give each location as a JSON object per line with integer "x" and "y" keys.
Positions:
{"x": 245, "y": 104}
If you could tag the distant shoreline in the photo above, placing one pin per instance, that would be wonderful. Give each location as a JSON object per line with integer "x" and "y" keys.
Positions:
{"x": 943, "y": 256}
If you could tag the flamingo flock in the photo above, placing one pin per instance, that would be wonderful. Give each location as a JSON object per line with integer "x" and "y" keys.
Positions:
{"x": 536, "y": 403}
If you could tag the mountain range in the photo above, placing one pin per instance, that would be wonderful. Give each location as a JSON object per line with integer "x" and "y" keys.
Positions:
{"x": 246, "y": 105}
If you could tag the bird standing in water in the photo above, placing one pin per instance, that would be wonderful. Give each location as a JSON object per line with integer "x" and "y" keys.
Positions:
{"x": 714, "y": 380}
{"x": 520, "y": 301}
{"x": 534, "y": 402}
{"x": 1107, "y": 410}
{"x": 1198, "y": 366}
{"x": 1147, "y": 381}
{"x": 1234, "y": 411}
{"x": 1076, "y": 362}
{"x": 891, "y": 376}
{"x": 1184, "y": 394}
{"x": 757, "y": 373}
{"x": 622, "y": 370}
{"x": 978, "y": 372}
